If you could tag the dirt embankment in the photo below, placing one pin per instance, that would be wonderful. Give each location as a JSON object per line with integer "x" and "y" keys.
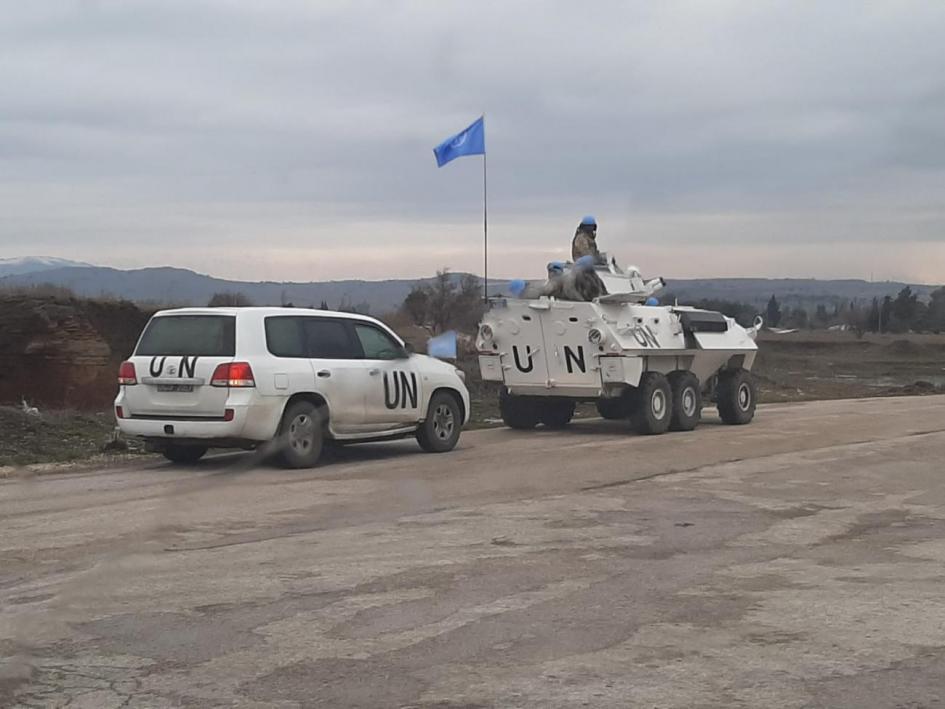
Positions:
{"x": 64, "y": 352}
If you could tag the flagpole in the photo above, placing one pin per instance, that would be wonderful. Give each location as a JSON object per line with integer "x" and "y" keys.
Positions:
{"x": 485, "y": 234}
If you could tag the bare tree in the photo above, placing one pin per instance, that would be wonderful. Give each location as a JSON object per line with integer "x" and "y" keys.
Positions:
{"x": 445, "y": 303}
{"x": 417, "y": 305}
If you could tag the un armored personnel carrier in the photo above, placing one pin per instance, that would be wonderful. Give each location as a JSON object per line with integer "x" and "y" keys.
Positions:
{"x": 649, "y": 363}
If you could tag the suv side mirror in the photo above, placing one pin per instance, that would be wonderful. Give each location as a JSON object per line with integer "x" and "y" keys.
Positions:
{"x": 409, "y": 349}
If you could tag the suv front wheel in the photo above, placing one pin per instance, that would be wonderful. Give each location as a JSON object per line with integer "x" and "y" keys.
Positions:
{"x": 440, "y": 431}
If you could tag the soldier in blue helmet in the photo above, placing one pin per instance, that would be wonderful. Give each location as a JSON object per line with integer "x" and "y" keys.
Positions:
{"x": 552, "y": 286}
{"x": 585, "y": 241}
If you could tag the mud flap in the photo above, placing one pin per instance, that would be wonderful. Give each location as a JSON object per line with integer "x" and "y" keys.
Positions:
{"x": 621, "y": 370}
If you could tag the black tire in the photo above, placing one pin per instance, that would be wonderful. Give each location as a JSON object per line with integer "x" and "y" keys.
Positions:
{"x": 652, "y": 407}
{"x": 737, "y": 397}
{"x": 556, "y": 413}
{"x": 440, "y": 430}
{"x": 613, "y": 409}
{"x": 183, "y": 455}
{"x": 687, "y": 401}
{"x": 301, "y": 435}
{"x": 518, "y": 412}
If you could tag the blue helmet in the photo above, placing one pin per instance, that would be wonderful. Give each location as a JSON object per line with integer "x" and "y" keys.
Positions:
{"x": 589, "y": 221}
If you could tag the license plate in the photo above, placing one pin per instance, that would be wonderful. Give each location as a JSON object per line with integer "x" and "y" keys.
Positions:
{"x": 175, "y": 387}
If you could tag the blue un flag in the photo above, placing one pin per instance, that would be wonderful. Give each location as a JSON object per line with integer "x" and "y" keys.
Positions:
{"x": 442, "y": 346}
{"x": 471, "y": 141}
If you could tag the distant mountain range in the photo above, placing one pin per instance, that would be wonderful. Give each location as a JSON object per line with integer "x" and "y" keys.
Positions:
{"x": 166, "y": 285}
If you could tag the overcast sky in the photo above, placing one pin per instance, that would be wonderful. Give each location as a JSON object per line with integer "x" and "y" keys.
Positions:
{"x": 293, "y": 140}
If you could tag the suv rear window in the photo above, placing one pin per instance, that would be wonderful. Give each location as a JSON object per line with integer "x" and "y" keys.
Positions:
{"x": 284, "y": 337}
{"x": 203, "y": 335}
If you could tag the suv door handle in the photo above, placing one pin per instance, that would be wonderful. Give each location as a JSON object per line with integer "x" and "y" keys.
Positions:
{"x": 324, "y": 373}
{"x": 374, "y": 372}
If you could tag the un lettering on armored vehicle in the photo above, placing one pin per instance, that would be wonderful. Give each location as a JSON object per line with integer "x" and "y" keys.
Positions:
{"x": 652, "y": 364}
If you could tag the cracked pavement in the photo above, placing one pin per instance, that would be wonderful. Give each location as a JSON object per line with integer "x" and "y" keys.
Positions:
{"x": 795, "y": 562}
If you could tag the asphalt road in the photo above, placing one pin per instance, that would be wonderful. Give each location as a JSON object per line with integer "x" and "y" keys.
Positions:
{"x": 795, "y": 562}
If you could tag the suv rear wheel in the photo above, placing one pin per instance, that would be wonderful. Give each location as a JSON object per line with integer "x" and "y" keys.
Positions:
{"x": 440, "y": 431}
{"x": 183, "y": 455}
{"x": 301, "y": 435}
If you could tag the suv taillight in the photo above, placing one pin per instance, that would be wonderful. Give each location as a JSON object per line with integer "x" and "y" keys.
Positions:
{"x": 127, "y": 375}
{"x": 233, "y": 374}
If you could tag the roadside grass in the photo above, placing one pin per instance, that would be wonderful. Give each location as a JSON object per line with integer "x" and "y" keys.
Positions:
{"x": 53, "y": 437}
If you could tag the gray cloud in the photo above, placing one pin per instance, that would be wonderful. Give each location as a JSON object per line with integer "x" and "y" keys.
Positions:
{"x": 283, "y": 125}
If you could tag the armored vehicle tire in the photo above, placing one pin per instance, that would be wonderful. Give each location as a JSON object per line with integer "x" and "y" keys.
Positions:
{"x": 737, "y": 397}
{"x": 183, "y": 454}
{"x": 556, "y": 413}
{"x": 301, "y": 435}
{"x": 612, "y": 409}
{"x": 687, "y": 401}
{"x": 519, "y": 412}
{"x": 652, "y": 404}
{"x": 440, "y": 431}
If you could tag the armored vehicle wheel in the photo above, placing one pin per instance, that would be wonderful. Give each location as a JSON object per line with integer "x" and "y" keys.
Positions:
{"x": 687, "y": 401}
{"x": 652, "y": 404}
{"x": 556, "y": 413}
{"x": 519, "y": 412}
{"x": 737, "y": 397}
{"x": 182, "y": 455}
{"x": 612, "y": 409}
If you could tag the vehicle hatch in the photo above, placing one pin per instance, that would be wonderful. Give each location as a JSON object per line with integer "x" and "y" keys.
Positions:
{"x": 175, "y": 361}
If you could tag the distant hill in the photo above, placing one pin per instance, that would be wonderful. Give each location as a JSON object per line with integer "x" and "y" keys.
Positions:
{"x": 178, "y": 286}
{"x": 34, "y": 264}
{"x": 184, "y": 287}
{"x": 795, "y": 292}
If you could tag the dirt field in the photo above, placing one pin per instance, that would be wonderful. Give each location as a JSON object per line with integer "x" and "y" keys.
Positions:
{"x": 837, "y": 365}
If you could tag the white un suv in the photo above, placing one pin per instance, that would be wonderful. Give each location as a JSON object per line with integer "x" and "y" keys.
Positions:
{"x": 285, "y": 378}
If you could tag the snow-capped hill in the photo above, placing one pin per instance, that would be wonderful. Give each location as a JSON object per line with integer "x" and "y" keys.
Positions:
{"x": 34, "y": 264}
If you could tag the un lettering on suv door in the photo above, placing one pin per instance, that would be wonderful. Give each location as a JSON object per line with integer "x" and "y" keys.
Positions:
{"x": 395, "y": 395}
